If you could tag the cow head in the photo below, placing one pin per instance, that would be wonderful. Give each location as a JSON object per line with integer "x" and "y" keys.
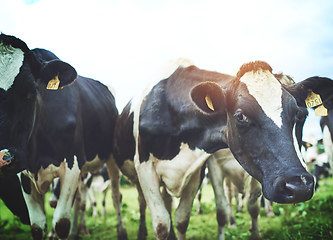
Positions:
{"x": 22, "y": 75}
{"x": 259, "y": 116}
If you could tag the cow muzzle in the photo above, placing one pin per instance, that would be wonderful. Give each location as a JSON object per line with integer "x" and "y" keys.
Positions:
{"x": 290, "y": 189}
{"x": 5, "y": 157}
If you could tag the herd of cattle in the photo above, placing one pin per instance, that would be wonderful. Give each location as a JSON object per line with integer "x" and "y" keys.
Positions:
{"x": 55, "y": 124}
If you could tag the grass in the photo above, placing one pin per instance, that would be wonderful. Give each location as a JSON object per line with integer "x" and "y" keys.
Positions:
{"x": 310, "y": 220}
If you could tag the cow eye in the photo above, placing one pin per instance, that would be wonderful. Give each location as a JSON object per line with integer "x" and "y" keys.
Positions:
{"x": 240, "y": 117}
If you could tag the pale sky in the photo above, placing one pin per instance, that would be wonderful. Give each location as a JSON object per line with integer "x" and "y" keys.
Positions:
{"x": 124, "y": 44}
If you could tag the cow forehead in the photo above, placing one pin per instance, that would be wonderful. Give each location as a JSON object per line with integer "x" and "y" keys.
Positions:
{"x": 263, "y": 86}
{"x": 11, "y": 60}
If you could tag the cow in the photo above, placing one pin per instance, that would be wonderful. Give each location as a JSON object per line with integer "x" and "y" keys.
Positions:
{"x": 54, "y": 123}
{"x": 321, "y": 167}
{"x": 309, "y": 150}
{"x": 168, "y": 134}
{"x": 100, "y": 185}
{"x": 315, "y": 158}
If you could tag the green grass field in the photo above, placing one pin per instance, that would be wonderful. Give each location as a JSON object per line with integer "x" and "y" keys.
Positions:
{"x": 310, "y": 220}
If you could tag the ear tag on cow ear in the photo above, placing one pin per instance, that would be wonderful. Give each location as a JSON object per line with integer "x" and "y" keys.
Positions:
{"x": 209, "y": 103}
{"x": 53, "y": 84}
{"x": 313, "y": 100}
{"x": 321, "y": 111}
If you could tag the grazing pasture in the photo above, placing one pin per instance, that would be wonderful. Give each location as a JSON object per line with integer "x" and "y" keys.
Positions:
{"x": 310, "y": 220}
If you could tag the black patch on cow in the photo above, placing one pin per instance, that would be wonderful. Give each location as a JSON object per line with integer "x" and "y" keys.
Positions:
{"x": 124, "y": 143}
{"x": 253, "y": 67}
{"x": 104, "y": 173}
{"x": 26, "y": 184}
{"x": 56, "y": 188}
{"x": 11, "y": 194}
{"x": 14, "y": 42}
{"x": 319, "y": 85}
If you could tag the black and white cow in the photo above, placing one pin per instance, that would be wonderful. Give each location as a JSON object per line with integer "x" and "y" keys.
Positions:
{"x": 183, "y": 119}
{"x": 54, "y": 123}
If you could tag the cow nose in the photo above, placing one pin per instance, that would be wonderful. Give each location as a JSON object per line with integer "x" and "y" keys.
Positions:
{"x": 297, "y": 189}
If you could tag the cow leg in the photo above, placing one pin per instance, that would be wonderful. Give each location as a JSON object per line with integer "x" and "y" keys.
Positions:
{"x": 93, "y": 202}
{"x": 198, "y": 196}
{"x": 268, "y": 208}
{"x": 76, "y": 211}
{"x": 142, "y": 233}
{"x": 69, "y": 181}
{"x": 150, "y": 185}
{"x": 114, "y": 175}
{"x": 222, "y": 206}
{"x": 103, "y": 202}
{"x": 79, "y": 210}
{"x": 230, "y": 193}
{"x": 168, "y": 204}
{"x": 83, "y": 226}
{"x": 35, "y": 205}
{"x": 183, "y": 212}
{"x": 253, "y": 206}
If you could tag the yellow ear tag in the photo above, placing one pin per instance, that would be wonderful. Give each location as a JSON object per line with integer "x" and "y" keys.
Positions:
{"x": 313, "y": 100}
{"x": 53, "y": 84}
{"x": 209, "y": 103}
{"x": 321, "y": 111}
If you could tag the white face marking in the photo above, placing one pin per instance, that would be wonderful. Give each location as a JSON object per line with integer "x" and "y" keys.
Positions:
{"x": 11, "y": 60}
{"x": 263, "y": 86}
{"x": 299, "y": 154}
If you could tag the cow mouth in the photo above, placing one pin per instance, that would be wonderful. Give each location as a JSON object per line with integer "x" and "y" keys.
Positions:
{"x": 5, "y": 157}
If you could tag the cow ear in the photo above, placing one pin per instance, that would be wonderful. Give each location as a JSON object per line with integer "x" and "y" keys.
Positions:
{"x": 57, "y": 74}
{"x": 208, "y": 97}
{"x": 313, "y": 92}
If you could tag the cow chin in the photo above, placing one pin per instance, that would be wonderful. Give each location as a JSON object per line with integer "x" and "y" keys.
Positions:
{"x": 293, "y": 188}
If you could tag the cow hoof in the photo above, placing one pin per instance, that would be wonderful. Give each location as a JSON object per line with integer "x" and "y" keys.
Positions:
{"x": 62, "y": 228}
{"x": 122, "y": 234}
{"x": 162, "y": 231}
{"x": 255, "y": 236}
{"x": 36, "y": 232}
{"x": 84, "y": 231}
{"x": 142, "y": 234}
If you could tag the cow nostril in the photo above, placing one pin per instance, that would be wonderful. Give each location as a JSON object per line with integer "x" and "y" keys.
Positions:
{"x": 299, "y": 189}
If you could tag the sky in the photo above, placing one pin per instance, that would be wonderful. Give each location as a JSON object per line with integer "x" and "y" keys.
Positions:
{"x": 126, "y": 43}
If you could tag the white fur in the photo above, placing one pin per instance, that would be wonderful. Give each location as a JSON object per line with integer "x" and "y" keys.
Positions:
{"x": 311, "y": 153}
{"x": 35, "y": 205}
{"x": 299, "y": 154}
{"x": 11, "y": 60}
{"x": 176, "y": 173}
{"x": 69, "y": 179}
{"x": 328, "y": 145}
{"x": 267, "y": 91}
